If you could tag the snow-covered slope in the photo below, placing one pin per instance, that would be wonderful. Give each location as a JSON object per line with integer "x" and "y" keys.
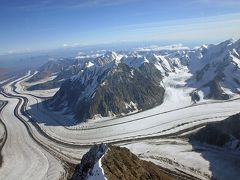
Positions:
{"x": 113, "y": 89}
{"x": 64, "y": 69}
{"x": 216, "y": 70}
{"x": 207, "y": 72}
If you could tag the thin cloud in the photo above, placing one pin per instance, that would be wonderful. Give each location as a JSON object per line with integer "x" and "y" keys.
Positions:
{"x": 218, "y": 2}
{"x": 54, "y": 4}
{"x": 187, "y": 29}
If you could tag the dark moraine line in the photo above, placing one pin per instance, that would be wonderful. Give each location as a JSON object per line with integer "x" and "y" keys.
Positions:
{"x": 46, "y": 147}
{"x": 117, "y": 140}
{"x": 75, "y": 146}
{"x": 181, "y": 175}
{"x": 131, "y": 120}
{"x": 13, "y": 85}
{"x": 3, "y": 104}
{"x": 112, "y": 141}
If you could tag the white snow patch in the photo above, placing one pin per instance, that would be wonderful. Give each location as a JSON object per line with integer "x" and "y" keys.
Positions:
{"x": 97, "y": 173}
{"x": 160, "y": 48}
{"x": 89, "y": 64}
{"x": 131, "y": 105}
{"x": 132, "y": 72}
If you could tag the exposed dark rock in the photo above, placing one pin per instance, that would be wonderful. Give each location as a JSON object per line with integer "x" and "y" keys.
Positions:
{"x": 219, "y": 133}
{"x": 69, "y": 72}
{"x": 45, "y": 86}
{"x": 200, "y": 73}
{"x": 118, "y": 89}
{"x": 119, "y": 163}
{"x": 216, "y": 91}
{"x": 38, "y": 76}
{"x": 51, "y": 67}
{"x": 88, "y": 161}
{"x": 195, "y": 96}
{"x": 64, "y": 70}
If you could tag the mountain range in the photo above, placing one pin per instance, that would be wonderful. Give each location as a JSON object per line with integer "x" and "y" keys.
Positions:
{"x": 118, "y": 83}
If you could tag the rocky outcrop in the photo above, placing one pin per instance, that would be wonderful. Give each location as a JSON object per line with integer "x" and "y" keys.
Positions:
{"x": 120, "y": 163}
{"x": 114, "y": 88}
{"x": 224, "y": 133}
{"x": 125, "y": 90}
{"x": 86, "y": 168}
{"x": 117, "y": 163}
{"x": 216, "y": 67}
{"x": 46, "y": 70}
{"x": 53, "y": 67}
{"x": 214, "y": 91}
{"x": 116, "y": 84}
{"x": 66, "y": 68}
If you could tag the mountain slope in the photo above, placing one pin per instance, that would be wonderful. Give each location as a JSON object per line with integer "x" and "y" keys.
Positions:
{"x": 112, "y": 89}
{"x": 114, "y": 84}
{"x": 111, "y": 162}
{"x": 224, "y": 133}
{"x": 216, "y": 70}
{"x": 46, "y": 70}
{"x": 66, "y": 68}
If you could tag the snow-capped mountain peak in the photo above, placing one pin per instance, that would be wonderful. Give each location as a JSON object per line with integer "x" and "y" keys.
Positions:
{"x": 111, "y": 55}
{"x": 89, "y": 64}
{"x": 211, "y": 72}
{"x": 135, "y": 61}
{"x": 108, "y": 57}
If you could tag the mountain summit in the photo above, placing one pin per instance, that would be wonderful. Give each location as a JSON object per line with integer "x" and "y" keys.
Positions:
{"x": 116, "y": 84}
{"x": 112, "y": 89}
{"x": 112, "y": 162}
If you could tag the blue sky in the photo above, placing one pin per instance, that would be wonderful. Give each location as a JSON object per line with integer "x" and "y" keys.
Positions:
{"x": 29, "y": 25}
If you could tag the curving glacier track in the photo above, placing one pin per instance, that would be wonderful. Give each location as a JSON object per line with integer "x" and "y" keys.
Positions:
{"x": 38, "y": 144}
{"x": 23, "y": 158}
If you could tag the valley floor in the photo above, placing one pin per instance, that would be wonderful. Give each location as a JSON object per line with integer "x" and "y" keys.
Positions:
{"x": 61, "y": 140}
{"x": 22, "y": 156}
{"x": 203, "y": 162}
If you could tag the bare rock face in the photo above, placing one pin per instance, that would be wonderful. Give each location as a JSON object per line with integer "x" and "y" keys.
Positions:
{"x": 117, "y": 84}
{"x": 111, "y": 89}
{"x": 223, "y": 133}
{"x": 46, "y": 70}
{"x": 215, "y": 68}
{"x": 120, "y": 163}
{"x": 86, "y": 167}
{"x": 117, "y": 163}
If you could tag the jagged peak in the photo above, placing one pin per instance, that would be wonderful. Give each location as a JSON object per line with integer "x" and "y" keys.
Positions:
{"x": 204, "y": 46}
{"x": 237, "y": 41}
{"x": 108, "y": 57}
{"x": 135, "y": 61}
{"x": 226, "y": 43}
{"x": 112, "y": 55}
{"x": 89, "y": 64}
